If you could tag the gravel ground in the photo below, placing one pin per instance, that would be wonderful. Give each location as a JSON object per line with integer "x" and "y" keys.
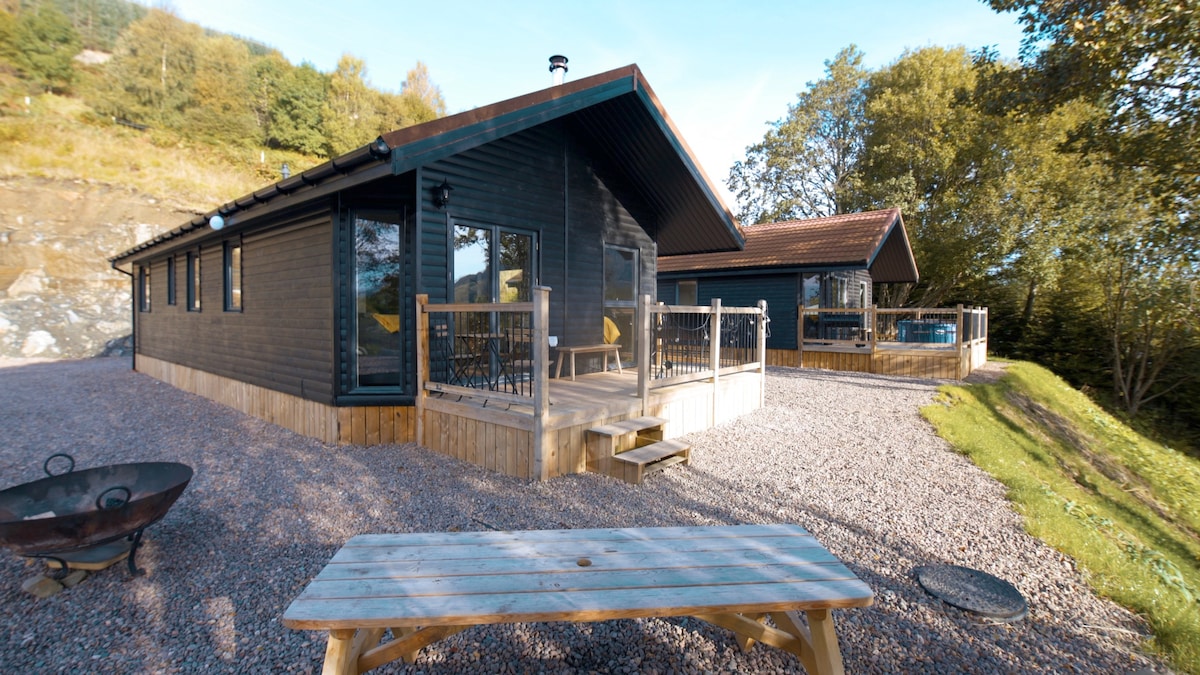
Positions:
{"x": 847, "y": 456}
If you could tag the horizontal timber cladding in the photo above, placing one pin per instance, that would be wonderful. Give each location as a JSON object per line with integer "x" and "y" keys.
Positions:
{"x": 781, "y": 292}
{"x": 361, "y": 425}
{"x": 282, "y": 339}
{"x": 543, "y": 181}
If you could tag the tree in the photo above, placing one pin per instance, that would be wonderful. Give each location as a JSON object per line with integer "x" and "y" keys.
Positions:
{"x": 420, "y": 99}
{"x": 222, "y": 101}
{"x": 46, "y": 46}
{"x": 295, "y": 114}
{"x": 350, "y": 115}
{"x": 804, "y": 166}
{"x": 1140, "y": 59}
{"x": 153, "y": 70}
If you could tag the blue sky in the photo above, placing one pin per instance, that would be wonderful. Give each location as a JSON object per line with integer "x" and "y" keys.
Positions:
{"x": 723, "y": 70}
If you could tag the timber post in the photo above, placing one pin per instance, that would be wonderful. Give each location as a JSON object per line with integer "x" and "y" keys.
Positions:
{"x": 958, "y": 342}
{"x": 422, "y": 363}
{"x": 714, "y": 358}
{"x": 762, "y": 352}
{"x": 643, "y": 352}
{"x": 541, "y": 381}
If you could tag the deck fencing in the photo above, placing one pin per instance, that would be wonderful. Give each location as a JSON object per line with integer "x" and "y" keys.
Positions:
{"x": 943, "y": 343}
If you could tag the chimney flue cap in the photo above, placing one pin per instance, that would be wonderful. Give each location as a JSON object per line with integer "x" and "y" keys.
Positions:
{"x": 558, "y": 61}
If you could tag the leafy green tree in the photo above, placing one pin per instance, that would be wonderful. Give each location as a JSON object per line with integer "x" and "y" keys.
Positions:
{"x": 46, "y": 45}
{"x": 350, "y": 116}
{"x": 1140, "y": 59}
{"x": 804, "y": 166}
{"x": 420, "y": 99}
{"x": 153, "y": 70}
{"x": 99, "y": 22}
{"x": 222, "y": 105}
{"x": 295, "y": 113}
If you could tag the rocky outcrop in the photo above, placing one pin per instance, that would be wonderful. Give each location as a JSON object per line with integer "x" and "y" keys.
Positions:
{"x": 58, "y": 295}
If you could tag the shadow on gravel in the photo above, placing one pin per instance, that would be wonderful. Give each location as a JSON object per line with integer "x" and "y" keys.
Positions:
{"x": 267, "y": 509}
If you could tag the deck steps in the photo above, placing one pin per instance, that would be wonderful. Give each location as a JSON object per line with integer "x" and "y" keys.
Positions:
{"x": 630, "y": 449}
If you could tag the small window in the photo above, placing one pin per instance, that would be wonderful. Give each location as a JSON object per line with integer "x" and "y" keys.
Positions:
{"x": 233, "y": 276}
{"x": 686, "y": 293}
{"x": 171, "y": 280}
{"x": 144, "y": 288}
{"x": 193, "y": 281}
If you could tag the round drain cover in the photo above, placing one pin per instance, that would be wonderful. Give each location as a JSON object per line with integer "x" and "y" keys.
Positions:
{"x": 974, "y": 591}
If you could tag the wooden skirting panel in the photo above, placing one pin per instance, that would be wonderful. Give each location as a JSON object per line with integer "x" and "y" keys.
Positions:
{"x": 484, "y": 442}
{"x": 788, "y": 358}
{"x": 929, "y": 366}
{"x": 362, "y": 425}
{"x": 856, "y": 362}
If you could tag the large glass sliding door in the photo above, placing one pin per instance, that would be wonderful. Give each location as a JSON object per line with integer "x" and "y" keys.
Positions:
{"x": 484, "y": 272}
{"x": 621, "y": 276}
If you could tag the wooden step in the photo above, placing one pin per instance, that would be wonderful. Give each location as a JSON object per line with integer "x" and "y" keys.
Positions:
{"x": 628, "y": 426}
{"x": 650, "y": 458}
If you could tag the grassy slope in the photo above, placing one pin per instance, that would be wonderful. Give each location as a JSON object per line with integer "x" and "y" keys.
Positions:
{"x": 61, "y": 138}
{"x": 1127, "y": 509}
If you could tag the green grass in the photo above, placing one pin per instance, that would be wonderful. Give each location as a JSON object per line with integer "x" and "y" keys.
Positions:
{"x": 1125, "y": 508}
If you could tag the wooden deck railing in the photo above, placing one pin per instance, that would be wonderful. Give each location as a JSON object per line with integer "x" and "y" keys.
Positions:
{"x": 692, "y": 343}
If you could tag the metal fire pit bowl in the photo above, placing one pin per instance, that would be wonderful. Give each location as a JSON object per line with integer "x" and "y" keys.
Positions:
{"x": 76, "y": 510}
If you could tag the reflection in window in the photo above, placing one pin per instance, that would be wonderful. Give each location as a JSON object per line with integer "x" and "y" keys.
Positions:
{"x": 516, "y": 267}
{"x": 620, "y": 295}
{"x": 193, "y": 281}
{"x": 472, "y": 264}
{"x": 144, "y": 288}
{"x": 378, "y": 258}
{"x": 233, "y": 276}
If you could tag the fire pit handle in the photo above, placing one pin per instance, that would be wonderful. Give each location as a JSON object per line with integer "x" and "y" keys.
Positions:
{"x": 103, "y": 504}
{"x": 46, "y": 464}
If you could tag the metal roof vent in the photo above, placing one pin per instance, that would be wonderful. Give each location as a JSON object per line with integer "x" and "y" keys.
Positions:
{"x": 558, "y": 67}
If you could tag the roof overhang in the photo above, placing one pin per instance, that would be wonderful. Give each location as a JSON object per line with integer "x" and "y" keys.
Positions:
{"x": 616, "y": 111}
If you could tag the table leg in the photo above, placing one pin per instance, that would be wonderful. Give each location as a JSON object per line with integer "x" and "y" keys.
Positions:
{"x": 558, "y": 370}
{"x": 820, "y": 639}
{"x": 341, "y": 657}
{"x": 617, "y": 356}
{"x": 572, "y": 366}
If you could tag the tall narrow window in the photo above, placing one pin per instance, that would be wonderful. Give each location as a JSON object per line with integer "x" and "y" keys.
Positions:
{"x": 621, "y": 267}
{"x": 379, "y": 300}
{"x": 171, "y": 280}
{"x": 193, "y": 281}
{"x": 144, "y": 288}
{"x": 685, "y": 293}
{"x": 233, "y": 276}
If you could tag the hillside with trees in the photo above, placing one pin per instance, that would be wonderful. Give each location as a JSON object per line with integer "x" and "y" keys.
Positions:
{"x": 1060, "y": 191}
{"x": 118, "y": 122}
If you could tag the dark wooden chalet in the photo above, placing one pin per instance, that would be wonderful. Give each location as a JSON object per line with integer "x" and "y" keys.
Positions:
{"x": 296, "y": 303}
{"x": 828, "y": 262}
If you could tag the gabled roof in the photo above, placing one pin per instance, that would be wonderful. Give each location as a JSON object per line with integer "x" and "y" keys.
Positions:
{"x": 616, "y": 111}
{"x": 875, "y": 240}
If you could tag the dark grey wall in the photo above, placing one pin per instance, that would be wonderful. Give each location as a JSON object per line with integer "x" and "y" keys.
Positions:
{"x": 283, "y": 337}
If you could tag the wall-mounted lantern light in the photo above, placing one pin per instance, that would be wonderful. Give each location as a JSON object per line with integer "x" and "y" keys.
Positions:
{"x": 441, "y": 194}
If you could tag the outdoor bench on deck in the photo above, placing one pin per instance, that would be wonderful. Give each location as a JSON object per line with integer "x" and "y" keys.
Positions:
{"x": 604, "y": 349}
{"x": 428, "y": 586}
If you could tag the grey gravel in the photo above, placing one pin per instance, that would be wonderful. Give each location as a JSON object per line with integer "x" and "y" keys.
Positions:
{"x": 847, "y": 456}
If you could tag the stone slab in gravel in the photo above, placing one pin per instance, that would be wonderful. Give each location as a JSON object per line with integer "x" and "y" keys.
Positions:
{"x": 847, "y": 456}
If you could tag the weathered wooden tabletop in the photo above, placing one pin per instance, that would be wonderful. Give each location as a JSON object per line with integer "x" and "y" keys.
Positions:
{"x": 430, "y": 585}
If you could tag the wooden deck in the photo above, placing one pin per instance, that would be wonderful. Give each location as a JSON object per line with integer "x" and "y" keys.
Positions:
{"x": 500, "y": 436}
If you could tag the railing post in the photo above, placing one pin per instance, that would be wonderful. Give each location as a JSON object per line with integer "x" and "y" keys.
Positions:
{"x": 762, "y": 352}
{"x": 643, "y": 351}
{"x": 714, "y": 359}
{"x": 422, "y": 324}
{"x": 958, "y": 339}
{"x": 541, "y": 381}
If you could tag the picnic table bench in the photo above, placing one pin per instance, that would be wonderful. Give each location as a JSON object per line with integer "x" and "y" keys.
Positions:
{"x": 605, "y": 349}
{"x": 428, "y": 586}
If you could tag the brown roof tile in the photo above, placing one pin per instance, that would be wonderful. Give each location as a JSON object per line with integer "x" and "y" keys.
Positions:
{"x": 847, "y": 240}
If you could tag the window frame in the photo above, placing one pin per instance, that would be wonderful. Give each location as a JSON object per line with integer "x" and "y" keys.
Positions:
{"x": 695, "y": 292}
{"x": 144, "y": 288}
{"x": 171, "y": 280}
{"x": 234, "y": 299}
{"x": 193, "y": 281}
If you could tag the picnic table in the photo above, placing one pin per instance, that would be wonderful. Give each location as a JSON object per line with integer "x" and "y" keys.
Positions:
{"x": 428, "y": 586}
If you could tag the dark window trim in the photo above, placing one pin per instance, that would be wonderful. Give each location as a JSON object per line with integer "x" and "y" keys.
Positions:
{"x": 171, "y": 280}
{"x": 193, "y": 285}
{"x": 144, "y": 288}
{"x": 227, "y": 272}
